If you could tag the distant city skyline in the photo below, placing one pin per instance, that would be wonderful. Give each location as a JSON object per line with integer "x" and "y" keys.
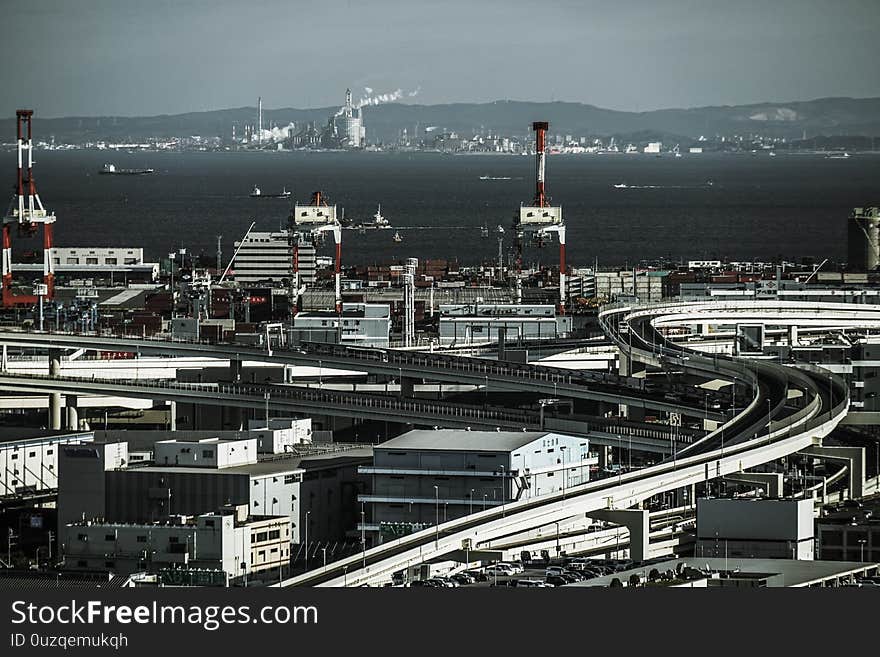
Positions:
{"x": 124, "y": 58}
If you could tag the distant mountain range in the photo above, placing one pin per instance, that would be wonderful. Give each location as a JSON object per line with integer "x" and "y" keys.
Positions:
{"x": 821, "y": 117}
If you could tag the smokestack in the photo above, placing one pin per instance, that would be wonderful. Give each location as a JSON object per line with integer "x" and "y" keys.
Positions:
{"x": 260, "y": 113}
{"x": 540, "y": 128}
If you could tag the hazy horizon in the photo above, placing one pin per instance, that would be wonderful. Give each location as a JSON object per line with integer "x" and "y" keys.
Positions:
{"x": 461, "y": 102}
{"x": 126, "y": 58}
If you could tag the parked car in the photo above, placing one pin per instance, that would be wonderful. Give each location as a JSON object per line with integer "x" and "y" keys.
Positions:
{"x": 478, "y": 575}
{"x": 556, "y": 580}
{"x": 514, "y": 566}
{"x": 463, "y": 578}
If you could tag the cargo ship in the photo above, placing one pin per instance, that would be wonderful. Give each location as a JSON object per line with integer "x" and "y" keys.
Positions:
{"x": 112, "y": 170}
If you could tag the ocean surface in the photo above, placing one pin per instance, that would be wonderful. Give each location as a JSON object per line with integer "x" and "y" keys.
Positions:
{"x": 693, "y": 207}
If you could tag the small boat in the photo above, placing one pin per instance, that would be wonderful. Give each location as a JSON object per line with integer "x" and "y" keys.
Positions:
{"x": 484, "y": 231}
{"x": 397, "y": 237}
{"x": 838, "y": 156}
{"x": 621, "y": 186}
{"x": 257, "y": 192}
{"x": 772, "y": 154}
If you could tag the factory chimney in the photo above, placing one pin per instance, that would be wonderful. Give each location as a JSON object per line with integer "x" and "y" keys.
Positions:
{"x": 260, "y": 118}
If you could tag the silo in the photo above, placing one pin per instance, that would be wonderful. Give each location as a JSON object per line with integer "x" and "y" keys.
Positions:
{"x": 863, "y": 236}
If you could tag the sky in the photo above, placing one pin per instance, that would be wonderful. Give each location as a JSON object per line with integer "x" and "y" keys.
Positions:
{"x": 137, "y": 57}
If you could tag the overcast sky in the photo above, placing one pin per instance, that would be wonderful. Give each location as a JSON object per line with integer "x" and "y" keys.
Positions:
{"x": 144, "y": 57}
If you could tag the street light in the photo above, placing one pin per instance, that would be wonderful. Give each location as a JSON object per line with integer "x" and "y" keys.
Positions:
{"x": 308, "y": 513}
{"x": 364, "y": 534}
{"x": 862, "y": 542}
{"x": 503, "y": 491}
{"x": 562, "y": 449}
{"x": 324, "y": 550}
{"x": 436, "y": 517}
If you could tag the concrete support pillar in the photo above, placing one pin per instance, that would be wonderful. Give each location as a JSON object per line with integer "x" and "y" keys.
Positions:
{"x": 71, "y": 402}
{"x": 604, "y": 452}
{"x": 685, "y": 496}
{"x": 407, "y": 387}
{"x": 637, "y": 521}
{"x": 793, "y": 335}
{"x": 54, "y": 397}
{"x": 771, "y": 482}
{"x": 234, "y": 370}
{"x": 172, "y": 415}
{"x": 855, "y": 460}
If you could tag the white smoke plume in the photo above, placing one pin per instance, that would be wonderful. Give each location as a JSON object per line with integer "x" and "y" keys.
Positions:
{"x": 389, "y": 97}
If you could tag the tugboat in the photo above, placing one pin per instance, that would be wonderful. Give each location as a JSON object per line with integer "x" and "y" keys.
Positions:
{"x": 256, "y": 192}
{"x": 397, "y": 237}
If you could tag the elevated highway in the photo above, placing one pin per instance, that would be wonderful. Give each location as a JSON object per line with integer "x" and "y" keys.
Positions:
{"x": 498, "y": 376}
{"x": 790, "y": 410}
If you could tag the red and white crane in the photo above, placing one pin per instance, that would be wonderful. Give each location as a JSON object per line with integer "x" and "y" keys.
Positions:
{"x": 27, "y": 212}
{"x": 539, "y": 220}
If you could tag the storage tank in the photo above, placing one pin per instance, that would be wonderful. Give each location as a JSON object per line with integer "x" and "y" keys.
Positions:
{"x": 863, "y": 236}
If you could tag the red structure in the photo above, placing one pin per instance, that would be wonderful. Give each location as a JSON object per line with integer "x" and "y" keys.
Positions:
{"x": 26, "y": 211}
{"x": 540, "y": 128}
{"x": 540, "y": 220}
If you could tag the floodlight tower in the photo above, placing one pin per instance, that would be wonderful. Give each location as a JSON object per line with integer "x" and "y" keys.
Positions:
{"x": 540, "y": 220}
{"x": 27, "y": 212}
{"x": 308, "y": 225}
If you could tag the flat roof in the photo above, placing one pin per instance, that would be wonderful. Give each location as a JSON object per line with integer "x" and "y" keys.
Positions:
{"x": 794, "y": 572}
{"x": 462, "y": 440}
{"x": 278, "y": 464}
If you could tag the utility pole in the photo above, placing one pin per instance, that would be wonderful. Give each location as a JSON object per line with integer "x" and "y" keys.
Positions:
{"x": 219, "y": 254}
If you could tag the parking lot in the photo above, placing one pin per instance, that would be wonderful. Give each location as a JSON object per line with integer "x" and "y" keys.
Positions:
{"x": 541, "y": 574}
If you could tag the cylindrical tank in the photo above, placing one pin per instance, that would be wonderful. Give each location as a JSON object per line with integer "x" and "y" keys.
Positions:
{"x": 863, "y": 236}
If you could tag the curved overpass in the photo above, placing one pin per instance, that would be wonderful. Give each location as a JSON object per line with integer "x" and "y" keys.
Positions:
{"x": 800, "y": 410}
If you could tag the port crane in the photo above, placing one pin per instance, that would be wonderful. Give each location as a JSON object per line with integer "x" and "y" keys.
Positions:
{"x": 27, "y": 213}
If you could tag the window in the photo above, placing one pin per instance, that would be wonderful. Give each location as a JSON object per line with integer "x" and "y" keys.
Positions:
{"x": 110, "y": 564}
{"x": 31, "y": 454}
{"x": 73, "y": 261}
{"x": 173, "y": 539}
{"x": 91, "y": 261}
{"x": 110, "y": 537}
{"x": 141, "y": 539}
{"x": 82, "y": 563}
{"x": 109, "y": 261}
{"x": 261, "y": 536}
{"x": 207, "y": 453}
{"x": 82, "y": 537}
{"x": 274, "y": 534}
{"x": 14, "y": 457}
{"x": 130, "y": 261}
{"x": 209, "y": 523}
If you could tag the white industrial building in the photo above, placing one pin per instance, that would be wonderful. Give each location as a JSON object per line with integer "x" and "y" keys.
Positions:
{"x": 646, "y": 286}
{"x": 481, "y": 322}
{"x": 359, "y": 324}
{"x": 90, "y": 255}
{"x": 29, "y": 466}
{"x": 268, "y": 256}
{"x": 193, "y": 476}
{"x": 229, "y": 540}
{"x": 426, "y": 476}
